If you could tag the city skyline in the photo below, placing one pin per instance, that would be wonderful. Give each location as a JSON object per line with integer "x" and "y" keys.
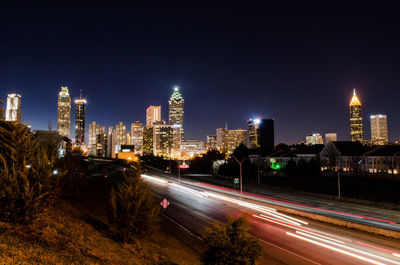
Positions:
{"x": 282, "y": 64}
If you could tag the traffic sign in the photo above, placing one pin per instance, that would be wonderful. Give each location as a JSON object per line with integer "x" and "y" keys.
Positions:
{"x": 236, "y": 181}
{"x": 184, "y": 166}
{"x": 164, "y": 203}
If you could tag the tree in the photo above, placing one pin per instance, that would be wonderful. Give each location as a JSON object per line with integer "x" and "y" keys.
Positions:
{"x": 29, "y": 179}
{"x": 230, "y": 244}
{"x": 133, "y": 212}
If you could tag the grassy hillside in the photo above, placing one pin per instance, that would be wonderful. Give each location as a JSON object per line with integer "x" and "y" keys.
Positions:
{"x": 63, "y": 235}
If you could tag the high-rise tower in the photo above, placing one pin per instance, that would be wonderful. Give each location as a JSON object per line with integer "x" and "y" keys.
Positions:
{"x": 176, "y": 110}
{"x": 80, "y": 121}
{"x": 356, "y": 123}
{"x": 379, "y": 130}
{"x": 153, "y": 114}
{"x": 13, "y": 108}
{"x": 64, "y": 112}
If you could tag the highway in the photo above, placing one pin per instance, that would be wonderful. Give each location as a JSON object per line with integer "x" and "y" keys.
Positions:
{"x": 285, "y": 239}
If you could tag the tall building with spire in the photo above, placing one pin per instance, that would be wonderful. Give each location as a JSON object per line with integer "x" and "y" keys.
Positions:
{"x": 64, "y": 112}
{"x": 356, "y": 123}
{"x": 80, "y": 116}
{"x": 176, "y": 110}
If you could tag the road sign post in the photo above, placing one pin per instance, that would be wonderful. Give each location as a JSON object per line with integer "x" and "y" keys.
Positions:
{"x": 184, "y": 165}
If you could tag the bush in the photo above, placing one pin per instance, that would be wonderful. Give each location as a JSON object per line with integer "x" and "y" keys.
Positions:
{"x": 27, "y": 181}
{"x": 230, "y": 244}
{"x": 133, "y": 211}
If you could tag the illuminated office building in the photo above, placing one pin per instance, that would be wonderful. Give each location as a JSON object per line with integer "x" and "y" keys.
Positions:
{"x": 314, "y": 139}
{"x": 330, "y": 137}
{"x": 64, "y": 112}
{"x": 211, "y": 142}
{"x": 13, "y": 108}
{"x": 192, "y": 148}
{"x": 356, "y": 123}
{"x": 176, "y": 141}
{"x": 162, "y": 139}
{"x": 253, "y": 126}
{"x": 94, "y": 130}
{"x": 176, "y": 110}
{"x": 120, "y": 134}
{"x": 379, "y": 130}
{"x": 137, "y": 136}
{"x": 234, "y": 138}
{"x": 148, "y": 140}
{"x": 153, "y": 114}
{"x": 221, "y": 140}
{"x": 261, "y": 134}
{"x": 80, "y": 116}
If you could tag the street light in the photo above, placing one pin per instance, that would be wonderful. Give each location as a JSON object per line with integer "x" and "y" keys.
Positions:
{"x": 240, "y": 165}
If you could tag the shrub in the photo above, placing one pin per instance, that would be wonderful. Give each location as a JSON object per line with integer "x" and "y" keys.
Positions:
{"x": 27, "y": 181}
{"x": 230, "y": 244}
{"x": 133, "y": 211}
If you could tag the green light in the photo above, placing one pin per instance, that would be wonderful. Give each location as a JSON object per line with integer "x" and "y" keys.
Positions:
{"x": 275, "y": 166}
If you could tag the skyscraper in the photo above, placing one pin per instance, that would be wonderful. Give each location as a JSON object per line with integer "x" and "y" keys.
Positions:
{"x": 137, "y": 136}
{"x": 314, "y": 138}
{"x": 356, "y": 124}
{"x": 120, "y": 130}
{"x": 176, "y": 110}
{"x": 261, "y": 134}
{"x": 148, "y": 140}
{"x": 379, "y": 130}
{"x": 211, "y": 142}
{"x": 153, "y": 114}
{"x": 162, "y": 139}
{"x": 253, "y": 126}
{"x": 234, "y": 138}
{"x": 221, "y": 140}
{"x": 94, "y": 131}
{"x": 80, "y": 116}
{"x": 330, "y": 137}
{"x": 64, "y": 112}
{"x": 13, "y": 109}
{"x": 176, "y": 141}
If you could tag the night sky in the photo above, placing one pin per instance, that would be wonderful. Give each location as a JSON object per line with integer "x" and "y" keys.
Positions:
{"x": 297, "y": 63}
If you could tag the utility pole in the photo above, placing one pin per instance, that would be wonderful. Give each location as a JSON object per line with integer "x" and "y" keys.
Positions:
{"x": 240, "y": 165}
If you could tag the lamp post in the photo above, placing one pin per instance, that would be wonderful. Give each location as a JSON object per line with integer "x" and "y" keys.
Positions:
{"x": 240, "y": 165}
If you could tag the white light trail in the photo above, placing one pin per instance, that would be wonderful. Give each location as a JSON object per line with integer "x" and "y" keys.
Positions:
{"x": 336, "y": 249}
{"x": 350, "y": 248}
{"x": 161, "y": 181}
{"x": 338, "y": 241}
{"x": 195, "y": 192}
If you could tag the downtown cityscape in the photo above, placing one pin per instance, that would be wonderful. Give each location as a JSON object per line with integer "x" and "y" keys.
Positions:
{"x": 189, "y": 132}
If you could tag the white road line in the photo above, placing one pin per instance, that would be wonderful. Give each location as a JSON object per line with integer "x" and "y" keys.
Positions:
{"x": 300, "y": 256}
{"x": 182, "y": 227}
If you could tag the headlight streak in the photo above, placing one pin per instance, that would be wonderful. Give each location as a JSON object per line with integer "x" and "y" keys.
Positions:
{"x": 348, "y": 247}
{"x": 195, "y": 192}
{"x": 336, "y": 249}
{"x": 378, "y": 248}
{"x": 158, "y": 180}
{"x": 338, "y": 241}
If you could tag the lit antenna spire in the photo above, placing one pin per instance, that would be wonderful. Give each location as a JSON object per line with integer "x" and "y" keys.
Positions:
{"x": 80, "y": 96}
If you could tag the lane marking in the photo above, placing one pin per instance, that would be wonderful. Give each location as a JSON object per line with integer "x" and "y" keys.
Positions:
{"x": 300, "y": 256}
{"x": 181, "y": 226}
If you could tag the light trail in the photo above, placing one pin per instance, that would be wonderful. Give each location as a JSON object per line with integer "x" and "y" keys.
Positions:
{"x": 378, "y": 248}
{"x": 193, "y": 191}
{"x": 296, "y": 204}
{"x": 336, "y": 249}
{"x": 153, "y": 179}
{"x": 348, "y": 248}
